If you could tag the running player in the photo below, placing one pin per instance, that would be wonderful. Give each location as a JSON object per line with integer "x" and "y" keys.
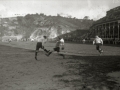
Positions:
{"x": 40, "y": 44}
{"x": 98, "y": 42}
{"x": 59, "y": 45}
{"x": 62, "y": 43}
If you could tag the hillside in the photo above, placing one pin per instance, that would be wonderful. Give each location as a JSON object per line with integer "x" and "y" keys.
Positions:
{"x": 76, "y": 35}
{"x": 34, "y": 25}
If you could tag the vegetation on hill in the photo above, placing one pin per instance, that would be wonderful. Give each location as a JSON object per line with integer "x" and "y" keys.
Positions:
{"x": 34, "y": 25}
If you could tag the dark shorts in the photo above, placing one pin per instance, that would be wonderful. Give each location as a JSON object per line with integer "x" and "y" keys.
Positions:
{"x": 98, "y": 46}
{"x": 57, "y": 49}
{"x": 39, "y": 45}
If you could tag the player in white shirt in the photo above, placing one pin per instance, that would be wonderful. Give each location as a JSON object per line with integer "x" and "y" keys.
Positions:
{"x": 62, "y": 43}
{"x": 98, "y": 42}
{"x": 40, "y": 44}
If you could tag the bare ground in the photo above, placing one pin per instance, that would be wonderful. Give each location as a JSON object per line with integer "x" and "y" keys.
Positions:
{"x": 88, "y": 71}
{"x": 20, "y": 71}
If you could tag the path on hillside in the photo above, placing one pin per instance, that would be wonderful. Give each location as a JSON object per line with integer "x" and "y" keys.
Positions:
{"x": 20, "y": 71}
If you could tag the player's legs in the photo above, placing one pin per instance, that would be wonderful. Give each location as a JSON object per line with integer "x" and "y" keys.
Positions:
{"x": 36, "y": 54}
{"x": 62, "y": 55}
{"x": 39, "y": 45}
{"x": 58, "y": 51}
{"x": 45, "y": 49}
{"x": 50, "y": 52}
{"x": 98, "y": 47}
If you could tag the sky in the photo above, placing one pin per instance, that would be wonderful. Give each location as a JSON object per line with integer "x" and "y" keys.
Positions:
{"x": 95, "y": 9}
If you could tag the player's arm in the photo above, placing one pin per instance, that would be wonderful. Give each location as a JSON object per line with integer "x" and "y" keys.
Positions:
{"x": 93, "y": 41}
{"x": 101, "y": 41}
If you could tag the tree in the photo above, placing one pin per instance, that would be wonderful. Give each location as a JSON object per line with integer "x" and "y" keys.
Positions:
{"x": 86, "y": 18}
{"x": 29, "y": 20}
{"x": 58, "y": 15}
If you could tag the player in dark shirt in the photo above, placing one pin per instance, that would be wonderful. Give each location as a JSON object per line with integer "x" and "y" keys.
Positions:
{"x": 59, "y": 45}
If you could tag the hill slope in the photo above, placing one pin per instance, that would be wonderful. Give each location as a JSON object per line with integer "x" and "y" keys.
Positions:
{"x": 32, "y": 26}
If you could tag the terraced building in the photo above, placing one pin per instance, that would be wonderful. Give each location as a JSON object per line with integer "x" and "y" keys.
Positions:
{"x": 107, "y": 27}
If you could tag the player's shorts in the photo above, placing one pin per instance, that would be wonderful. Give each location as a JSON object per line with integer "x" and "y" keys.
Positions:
{"x": 98, "y": 46}
{"x": 57, "y": 49}
{"x": 39, "y": 45}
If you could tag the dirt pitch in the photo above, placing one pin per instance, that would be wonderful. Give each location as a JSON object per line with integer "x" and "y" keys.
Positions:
{"x": 20, "y": 71}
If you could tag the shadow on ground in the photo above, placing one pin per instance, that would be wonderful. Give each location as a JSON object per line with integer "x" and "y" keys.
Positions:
{"x": 91, "y": 72}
